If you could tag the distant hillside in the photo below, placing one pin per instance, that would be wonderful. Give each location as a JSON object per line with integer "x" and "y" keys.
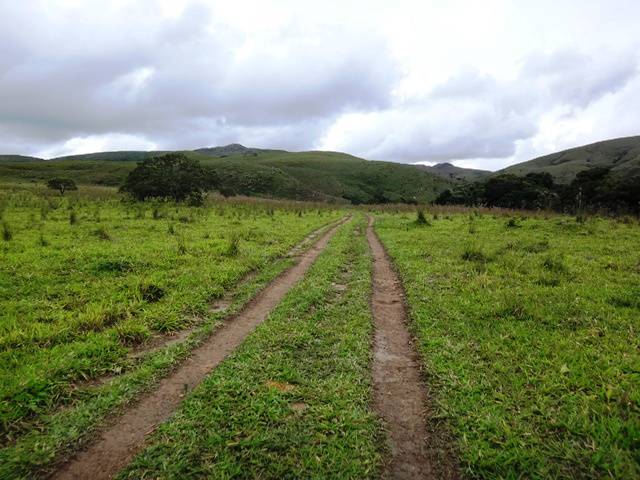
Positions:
{"x": 622, "y": 155}
{"x": 120, "y": 156}
{"x": 451, "y": 172}
{"x": 231, "y": 149}
{"x": 326, "y": 176}
{"x": 19, "y": 158}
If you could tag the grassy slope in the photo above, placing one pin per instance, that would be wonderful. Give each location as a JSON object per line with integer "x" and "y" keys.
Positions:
{"x": 304, "y": 175}
{"x": 530, "y": 337}
{"x": 453, "y": 173}
{"x": 621, "y": 154}
{"x": 19, "y": 158}
{"x": 81, "y": 327}
{"x": 293, "y": 401}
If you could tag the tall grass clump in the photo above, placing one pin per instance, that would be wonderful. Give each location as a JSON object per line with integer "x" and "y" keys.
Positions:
{"x": 421, "y": 219}
{"x": 7, "y": 234}
{"x": 73, "y": 217}
{"x": 233, "y": 248}
{"x": 102, "y": 234}
{"x": 474, "y": 254}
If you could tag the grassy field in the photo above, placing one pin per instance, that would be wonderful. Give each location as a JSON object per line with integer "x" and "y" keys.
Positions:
{"x": 529, "y": 331}
{"x": 294, "y": 400}
{"x": 528, "y": 327}
{"x": 84, "y": 282}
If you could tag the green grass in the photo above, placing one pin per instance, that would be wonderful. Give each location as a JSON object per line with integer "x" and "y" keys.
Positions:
{"x": 78, "y": 296}
{"x": 294, "y": 400}
{"x": 530, "y": 339}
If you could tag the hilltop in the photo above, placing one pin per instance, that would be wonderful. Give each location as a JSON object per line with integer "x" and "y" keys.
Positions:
{"x": 453, "y": 173}
{"x": 622, "y": 155}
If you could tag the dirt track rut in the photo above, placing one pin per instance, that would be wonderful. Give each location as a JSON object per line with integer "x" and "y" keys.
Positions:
{"x": 116, "y": 446}
{"x": 400, "y": 395}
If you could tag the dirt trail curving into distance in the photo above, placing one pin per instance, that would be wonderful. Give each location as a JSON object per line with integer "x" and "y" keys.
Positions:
{"x": 400, "y": 395}
{"x": 116, "y": 446}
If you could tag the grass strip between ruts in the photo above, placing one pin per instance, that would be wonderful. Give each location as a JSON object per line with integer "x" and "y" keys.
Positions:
{"x": 294, "y": 401}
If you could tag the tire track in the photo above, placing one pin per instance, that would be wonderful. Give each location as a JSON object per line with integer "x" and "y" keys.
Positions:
{"x": 117, "y": 445}
{"x": 400, "y": 396}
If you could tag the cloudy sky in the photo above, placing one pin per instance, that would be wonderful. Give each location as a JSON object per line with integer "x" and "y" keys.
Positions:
{"x": 479, "y": 83}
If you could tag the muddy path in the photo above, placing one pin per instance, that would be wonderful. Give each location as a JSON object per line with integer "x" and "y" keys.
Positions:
{"x": 116, "y": 446}
{"x": 417, "y": 449}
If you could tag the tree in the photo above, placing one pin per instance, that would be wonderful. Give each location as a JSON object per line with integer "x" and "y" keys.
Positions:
{"x": 173, "y": 176}
{"x": 62, "y": 184}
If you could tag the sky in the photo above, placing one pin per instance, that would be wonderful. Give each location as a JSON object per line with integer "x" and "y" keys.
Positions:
{"x": 481, "y": 84}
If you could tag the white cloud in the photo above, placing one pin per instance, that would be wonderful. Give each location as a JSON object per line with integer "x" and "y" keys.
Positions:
{"x": 477, "y": 83}
{"x": 98, "y": 143}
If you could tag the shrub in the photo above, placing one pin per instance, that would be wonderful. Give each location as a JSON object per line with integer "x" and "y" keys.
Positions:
{"x": 173, "y": 175}
{"x": 421, "y": 219}
{"x": 512, "y": 223}
{"x": 7, "y": 234}
{"x": 62, "y": 184}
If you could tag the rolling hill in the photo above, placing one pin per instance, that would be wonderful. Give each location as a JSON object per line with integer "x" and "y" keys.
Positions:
{"x": 622, "y": 155}
{"x": 315, "y": 175}
{"x": 453, "y": 173}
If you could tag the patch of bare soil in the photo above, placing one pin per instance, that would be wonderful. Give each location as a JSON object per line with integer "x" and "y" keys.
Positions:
{"x": 115, "y": 447}
{"x": 417, "y": 449}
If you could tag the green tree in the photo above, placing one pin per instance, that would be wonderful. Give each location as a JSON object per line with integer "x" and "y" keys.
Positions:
{"x": 62, "y": 184}
{"x": 173, "y": 176}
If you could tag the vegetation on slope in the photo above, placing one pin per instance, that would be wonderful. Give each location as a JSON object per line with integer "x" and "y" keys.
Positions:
{"x": 325, "y": 176}
{"x": 528, "y": 328}
{"x": 621, "y": 155}
{"x": 594, "y": 190}
{"x": 453, "y": 173}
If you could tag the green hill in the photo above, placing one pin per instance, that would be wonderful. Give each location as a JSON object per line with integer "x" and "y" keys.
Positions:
{"x": 622, "y": 155}
{"x": 326, "y": 176}
{"x": 19, "y": 158}
{"x": 453, "y": 173}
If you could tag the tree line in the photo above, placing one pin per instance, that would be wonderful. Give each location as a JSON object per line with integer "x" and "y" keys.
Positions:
{"x": 596, "y": 189}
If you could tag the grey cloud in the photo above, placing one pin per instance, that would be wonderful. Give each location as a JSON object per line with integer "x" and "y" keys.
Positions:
{"x": 473, "y": 115}
{"x": 191, "y": 78}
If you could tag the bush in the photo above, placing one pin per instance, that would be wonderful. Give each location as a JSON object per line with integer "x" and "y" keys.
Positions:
{"x": 7, "y": 234}
{"x": 173, "y": 176}
{"x": 512, "y": 223}
{"x": 62, "y": 184}
{"x": 421, "y": 219}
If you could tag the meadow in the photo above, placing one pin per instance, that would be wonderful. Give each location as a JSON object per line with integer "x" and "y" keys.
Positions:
{"x": 294, "y": 400}
{"x": 88, "y": 282}
{"x": 528, "y": 327}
